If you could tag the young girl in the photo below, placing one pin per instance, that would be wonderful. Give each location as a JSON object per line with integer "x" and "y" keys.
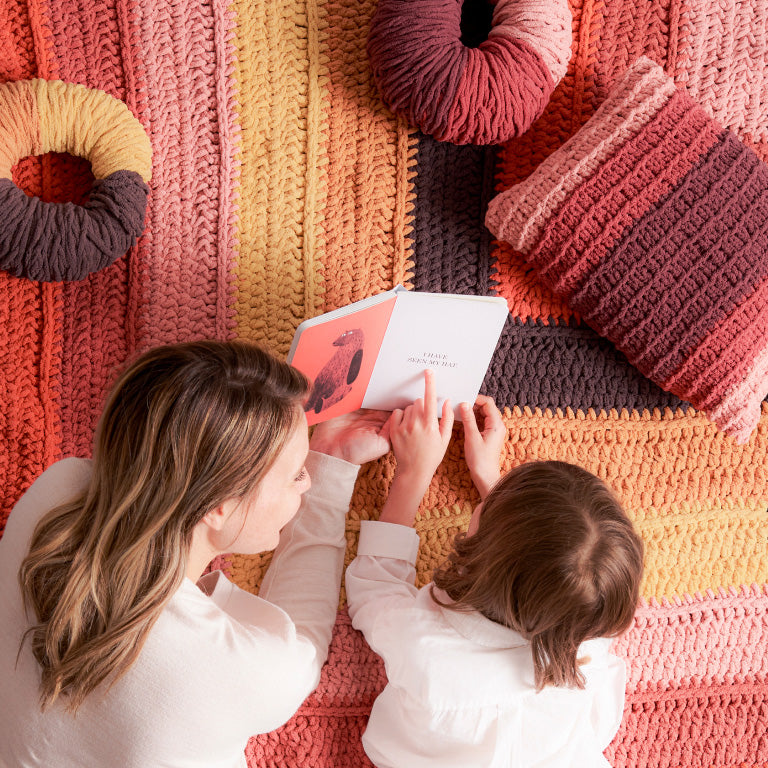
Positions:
{"x": 113, "y": 649}
{"x": 504, "y": 659}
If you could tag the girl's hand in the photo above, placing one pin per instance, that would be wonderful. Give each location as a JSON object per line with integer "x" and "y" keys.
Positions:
{"x": 419, "y": 441}
{"x": 482, "y": 449}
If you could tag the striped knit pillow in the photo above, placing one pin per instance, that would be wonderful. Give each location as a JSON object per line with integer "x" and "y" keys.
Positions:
{"x": 652, "y": 222}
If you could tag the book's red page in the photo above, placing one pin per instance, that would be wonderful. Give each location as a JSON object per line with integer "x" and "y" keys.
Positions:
{"x": 338, "y": 356}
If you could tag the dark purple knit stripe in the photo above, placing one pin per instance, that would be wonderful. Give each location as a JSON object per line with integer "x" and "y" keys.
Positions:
{"x": 451, "y": 246}
{"x": 686, "y": 264}
{"x": 561, "y": 366}
{"x": 63, "y": 241}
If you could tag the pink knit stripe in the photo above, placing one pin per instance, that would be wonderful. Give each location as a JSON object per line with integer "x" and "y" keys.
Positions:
{"x": 519, "y": 214}
{"x": 188, "y": 110}
{"x": 624, "y": 188}
{"x": 710, "y": 638}
{"x": 545, "y": 25}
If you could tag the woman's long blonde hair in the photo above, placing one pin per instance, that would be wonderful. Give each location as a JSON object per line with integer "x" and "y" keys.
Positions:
{"x": 185, "y": 427}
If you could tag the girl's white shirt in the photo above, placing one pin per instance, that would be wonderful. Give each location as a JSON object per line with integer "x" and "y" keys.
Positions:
{"x": 460, "y": 689}
{"x": 216, "y": 668}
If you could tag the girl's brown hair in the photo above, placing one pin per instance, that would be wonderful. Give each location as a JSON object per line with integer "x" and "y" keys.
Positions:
{"x": 186, "y": 427}
{"x": 555, "y": 558}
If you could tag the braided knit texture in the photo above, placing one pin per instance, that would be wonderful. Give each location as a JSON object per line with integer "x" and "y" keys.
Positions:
{"x": 282, "y": 186}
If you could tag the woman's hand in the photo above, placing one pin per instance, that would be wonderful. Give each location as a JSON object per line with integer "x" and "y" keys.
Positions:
{"x": 357, "y": 437}
{"x": 419, "y": 441}
{"x": 482, "y": 449}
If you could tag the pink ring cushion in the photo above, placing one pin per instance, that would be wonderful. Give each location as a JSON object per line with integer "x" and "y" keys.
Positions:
{"x": 483, "y": 95}
{"x": 652, "y": 223}
{"x": 62, "y": 241}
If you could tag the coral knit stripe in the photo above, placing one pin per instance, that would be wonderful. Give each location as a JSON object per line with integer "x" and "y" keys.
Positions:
{"x": 29, "y": 420}
{"x": 87, "y": 49}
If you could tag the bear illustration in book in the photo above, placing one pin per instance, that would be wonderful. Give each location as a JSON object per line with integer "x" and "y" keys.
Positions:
{"x": 336, "y": 377}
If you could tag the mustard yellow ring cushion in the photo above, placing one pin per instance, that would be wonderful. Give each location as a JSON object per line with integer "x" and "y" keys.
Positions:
{"x": 63, "y": 241}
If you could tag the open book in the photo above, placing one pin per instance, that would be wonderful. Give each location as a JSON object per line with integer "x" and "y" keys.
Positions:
{"x": 373, "y": 353}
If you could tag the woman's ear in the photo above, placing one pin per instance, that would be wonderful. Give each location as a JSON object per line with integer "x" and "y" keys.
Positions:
{"x": 217, "y": 517}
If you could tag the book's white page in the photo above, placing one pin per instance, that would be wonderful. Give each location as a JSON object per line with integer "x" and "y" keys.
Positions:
{"x": 453, "y": 335}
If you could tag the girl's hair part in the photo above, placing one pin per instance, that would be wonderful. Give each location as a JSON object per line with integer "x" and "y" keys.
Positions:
{"x": 555, "y": 558}
{"x": 186, "y": 427}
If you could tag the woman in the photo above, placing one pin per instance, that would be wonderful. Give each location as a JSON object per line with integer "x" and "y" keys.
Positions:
{"x": 114, "y": 648}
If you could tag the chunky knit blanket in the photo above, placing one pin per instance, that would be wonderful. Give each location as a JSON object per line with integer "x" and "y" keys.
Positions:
{"x": 282, "y": 187}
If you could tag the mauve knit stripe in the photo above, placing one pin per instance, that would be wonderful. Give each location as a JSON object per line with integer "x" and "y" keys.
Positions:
{"x": 709, "y": 235}
{"x": 504, "y": 88}
{"x": 625, "y": 187}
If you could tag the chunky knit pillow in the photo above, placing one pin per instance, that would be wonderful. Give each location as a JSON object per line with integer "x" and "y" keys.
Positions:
{"x": 652, "y": 222}
{"x": 462, "y": 94}
{"x": 62, "y": 241}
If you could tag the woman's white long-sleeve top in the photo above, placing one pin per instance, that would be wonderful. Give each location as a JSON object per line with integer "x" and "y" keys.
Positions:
{"x": 216, "y": 668}
{"x": 460, "y": 691}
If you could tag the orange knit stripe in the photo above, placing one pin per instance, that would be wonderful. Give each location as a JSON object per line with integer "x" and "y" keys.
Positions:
{"x": 368, "y": 189}
{"x": 654, "y": 461}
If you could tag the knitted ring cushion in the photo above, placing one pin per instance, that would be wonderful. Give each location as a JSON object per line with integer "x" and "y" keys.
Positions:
{"x": 63, "y": 241}
{"x": 652, "y": 223}
{"x": 463, "y": 95}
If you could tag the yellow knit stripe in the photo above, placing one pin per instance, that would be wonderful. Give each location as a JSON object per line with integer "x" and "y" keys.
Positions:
{"x": 278, "y": 94}
{"x": 689, "y": 550}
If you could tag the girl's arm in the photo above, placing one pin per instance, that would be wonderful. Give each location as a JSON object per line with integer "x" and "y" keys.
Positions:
{"x": 382, "y": 575}
{"x": 419, "y": 441}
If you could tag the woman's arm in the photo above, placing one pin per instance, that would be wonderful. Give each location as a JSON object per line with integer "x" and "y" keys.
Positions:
{"x": 305, "y": 573}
